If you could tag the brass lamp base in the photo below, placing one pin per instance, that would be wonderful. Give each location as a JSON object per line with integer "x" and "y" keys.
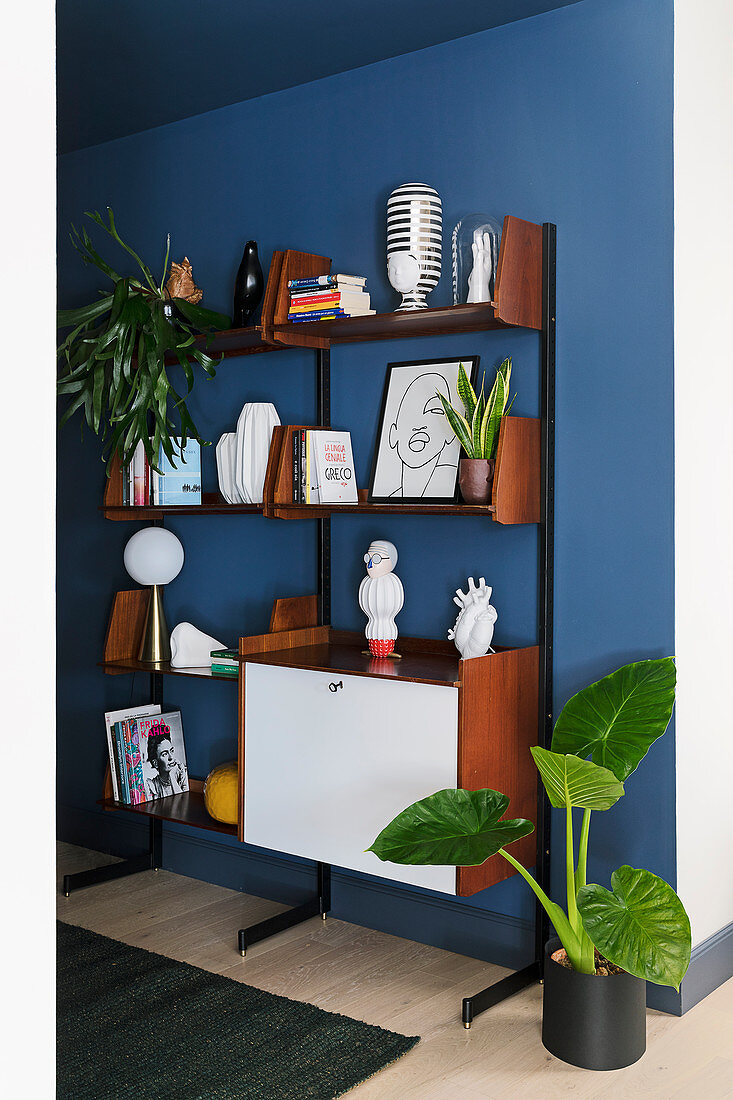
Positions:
{"x": 156, "y": 644}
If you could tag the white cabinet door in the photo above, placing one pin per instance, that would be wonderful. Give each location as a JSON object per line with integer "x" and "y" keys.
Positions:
{"x": 325, "y": 769}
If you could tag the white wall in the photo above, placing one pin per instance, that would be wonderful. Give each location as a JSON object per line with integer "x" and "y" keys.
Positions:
{"x": 704, "y": 459}
{"x": 27, "y": 444}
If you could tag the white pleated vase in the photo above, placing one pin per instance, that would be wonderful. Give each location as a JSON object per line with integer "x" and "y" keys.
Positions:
{"x": 254, "y": 432}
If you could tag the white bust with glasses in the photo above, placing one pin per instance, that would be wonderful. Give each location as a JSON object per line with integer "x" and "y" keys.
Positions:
{"x": 381, "y": 597}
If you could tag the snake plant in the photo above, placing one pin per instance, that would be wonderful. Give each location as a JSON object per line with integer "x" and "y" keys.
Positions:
{"x": 639, "y": 925}
{"x": 112, "y": 362}
{"x": 478, "y": 430}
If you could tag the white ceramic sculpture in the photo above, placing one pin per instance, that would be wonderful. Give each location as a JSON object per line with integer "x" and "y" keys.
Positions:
{"x": 254, "y": 432}
{"x": 414, "y": 242}
{"x": 191, "y": 648}
{"x": 226, "y": 450}
{"x": 474, "y": 628}
{"x": 381, "y": 597}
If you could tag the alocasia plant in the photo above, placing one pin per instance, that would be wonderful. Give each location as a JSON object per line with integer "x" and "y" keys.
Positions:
{"x": 640, "y": 924}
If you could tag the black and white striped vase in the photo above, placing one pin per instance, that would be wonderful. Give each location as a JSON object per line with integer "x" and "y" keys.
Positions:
{"x": 414, "y": 242}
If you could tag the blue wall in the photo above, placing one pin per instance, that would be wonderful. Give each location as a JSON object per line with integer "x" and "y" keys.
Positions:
{"x": 566, "y": 117}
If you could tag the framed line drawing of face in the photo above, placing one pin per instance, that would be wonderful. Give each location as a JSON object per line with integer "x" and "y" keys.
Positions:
{"x": 416, "y": 455}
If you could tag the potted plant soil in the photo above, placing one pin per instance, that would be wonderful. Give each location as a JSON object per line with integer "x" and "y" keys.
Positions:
{"x": 609, "y": 942}
{"x": 478, "y": 431}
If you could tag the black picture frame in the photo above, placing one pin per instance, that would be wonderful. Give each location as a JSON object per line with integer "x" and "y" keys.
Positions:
{"x": 384, "y": 468}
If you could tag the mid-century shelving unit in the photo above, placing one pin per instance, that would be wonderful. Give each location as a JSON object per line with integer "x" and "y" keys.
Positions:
{"x": 300, "y": 635}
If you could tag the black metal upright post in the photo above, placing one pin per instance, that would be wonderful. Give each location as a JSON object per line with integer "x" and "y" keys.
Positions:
{"x": 513, "y": 983}
{"x": 546, "y": 570}
{"x": 323, "y": 417}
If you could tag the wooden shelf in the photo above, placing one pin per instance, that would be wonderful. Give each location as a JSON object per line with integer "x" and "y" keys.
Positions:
{"x": 515, "y": 495}
{"x": 130, "y": 664}
{"x": 443, "y": 321}
{"x": 230, "y": 343}
{"x": 212, "y": 504}
{"x": 316, "y": 511}
{"x": 184, "y": 809}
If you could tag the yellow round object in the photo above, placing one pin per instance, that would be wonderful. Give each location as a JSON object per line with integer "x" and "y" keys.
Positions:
{"x": 221, "y": 793}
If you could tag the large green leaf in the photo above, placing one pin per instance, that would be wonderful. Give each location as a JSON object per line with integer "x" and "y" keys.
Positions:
{"x": 466, "y": 392}
{"x": 451, "y": 827}
{"x": 573, "y": 782}
{"x": 641, "y": 926}
{"x": 617, "y": 719}
{"x": 202, "y": 318}
{"x": 459, "y": 424}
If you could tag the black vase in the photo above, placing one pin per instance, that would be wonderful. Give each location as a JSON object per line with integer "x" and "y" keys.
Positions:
{"x": 249, "y": 287}
{"x": 590, "y": 1020}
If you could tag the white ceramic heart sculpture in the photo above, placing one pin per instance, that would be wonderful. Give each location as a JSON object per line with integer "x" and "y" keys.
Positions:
{"x": 473, "y": 630}
{"x": 254, "y": 432}
{"x": 191, "y": 648}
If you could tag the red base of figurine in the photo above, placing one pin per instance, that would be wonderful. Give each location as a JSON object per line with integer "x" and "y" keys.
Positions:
{"x": 380, "y": 648}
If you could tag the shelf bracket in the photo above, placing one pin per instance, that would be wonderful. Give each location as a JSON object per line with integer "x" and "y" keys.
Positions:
{"x": 151, "y": 861}
{"x": 320, "y": 904}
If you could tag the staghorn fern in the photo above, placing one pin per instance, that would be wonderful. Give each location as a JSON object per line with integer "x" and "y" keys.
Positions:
{"x": 112, "y": 362}
{"x": 478, "y": 431}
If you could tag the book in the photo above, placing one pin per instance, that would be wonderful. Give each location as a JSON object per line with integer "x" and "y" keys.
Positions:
{"x": 334, "y": 295}
{"x": 327, "y": 280}
{"x": 135, "y": 779}
{"x": 296, "y": 469}
{"x": 138, "y": 475}
{"x": 312, "y": 495}
{"x": 122, "y": 764}
{"x": 110, "y": 718}
{"x": 162, "y": 755}
{"x": 348, "y": 303}
{"x": 225, "y": 658}
{"x": 317, "y": 315}
{"x": 303, "y": 448}
{"x": 333, "y": 462}
{"x": 179, "y": 484}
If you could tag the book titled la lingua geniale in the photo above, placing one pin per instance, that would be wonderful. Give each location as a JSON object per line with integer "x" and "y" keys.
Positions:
{"x": 323, "y": 468}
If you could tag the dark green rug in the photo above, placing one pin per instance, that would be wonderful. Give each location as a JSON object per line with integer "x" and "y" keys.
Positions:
{"x": 135, "y": 1024}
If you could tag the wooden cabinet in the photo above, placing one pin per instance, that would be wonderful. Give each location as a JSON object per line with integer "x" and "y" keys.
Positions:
{"x": 334, "y": 743}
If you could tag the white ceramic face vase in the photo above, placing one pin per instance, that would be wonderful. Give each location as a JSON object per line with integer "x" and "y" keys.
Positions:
{"x": 473, "y": 630}
{"x": 403, "y": 272}
{"x": 191, "y": 648}
{"x": 381, "y": 597}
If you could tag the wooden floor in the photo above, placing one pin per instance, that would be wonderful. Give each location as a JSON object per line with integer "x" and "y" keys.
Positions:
{"x": 401, "y": 985}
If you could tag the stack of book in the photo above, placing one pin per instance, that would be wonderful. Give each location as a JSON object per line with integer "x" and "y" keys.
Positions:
{"x": 327, "y": 296}
{"x": 323, "y": 467}
{"x": 147, "y": 756}
{"x": 174, "y": 485}
{"x": 225, "y": 662}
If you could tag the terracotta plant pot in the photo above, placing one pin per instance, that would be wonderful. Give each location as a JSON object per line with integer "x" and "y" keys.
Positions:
{"x": 476, "y": 478}
{"x": 592, "y": 1021}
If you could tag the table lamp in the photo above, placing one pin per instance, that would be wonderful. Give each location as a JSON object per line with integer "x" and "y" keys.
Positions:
{"x": 154, "y": 557}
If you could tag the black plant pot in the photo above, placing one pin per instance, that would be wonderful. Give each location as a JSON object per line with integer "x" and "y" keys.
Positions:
{"x": 592, "y": 1021}
{"x": 249, "y": 287}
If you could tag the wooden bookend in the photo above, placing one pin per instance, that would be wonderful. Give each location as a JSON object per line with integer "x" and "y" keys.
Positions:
{"x": 293, "y": 612}
{"x": 497, "y": 724}
{"x": 282, "y": 486}
{"x": 113, "y": 485}
{"x": 284, "y": 639}
{"x": 126, "y": 624}
{"x": 516, "y": 493}
{"x": 297, "y": 265}
{"x": 518, "y": 291}
{"x": 273, "y": 462}
{"x": 268, "y": 301}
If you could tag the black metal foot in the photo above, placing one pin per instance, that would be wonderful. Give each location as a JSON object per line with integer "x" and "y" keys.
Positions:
{"x": 272, "y": 925}
{"x": 105, "y": 874}
{"x": 499, "y": 991}
{"x": 152, "y": 860}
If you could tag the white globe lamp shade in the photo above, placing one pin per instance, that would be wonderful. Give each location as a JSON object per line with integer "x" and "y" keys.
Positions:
{"x": 154, "y": 556}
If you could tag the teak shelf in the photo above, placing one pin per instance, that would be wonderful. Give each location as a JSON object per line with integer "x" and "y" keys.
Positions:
{"x": 504, "y": 700}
